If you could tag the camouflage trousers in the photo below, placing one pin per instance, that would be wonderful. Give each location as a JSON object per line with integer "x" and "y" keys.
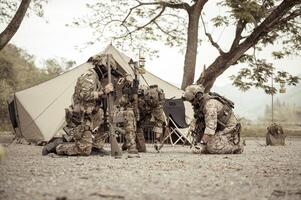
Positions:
{"x": 129, "y": 127}
{"x": 223, "y": 144}
{"x": 83, "y": 145}
{"x": 156, "y": 116}
{"x": 159, "y": 119}
{"x": 83, "y": 139}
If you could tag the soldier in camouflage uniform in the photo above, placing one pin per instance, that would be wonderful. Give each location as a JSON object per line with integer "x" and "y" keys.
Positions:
{"x": 150, "y": 104}
{"x": 215, "y": 122}
{"x": 128, "y": 115}
{"x": 84, "y": 117}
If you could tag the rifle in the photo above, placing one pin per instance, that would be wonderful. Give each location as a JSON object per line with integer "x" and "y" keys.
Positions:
{"x": 115, "y": 150}
{"x": 140, "y": 140}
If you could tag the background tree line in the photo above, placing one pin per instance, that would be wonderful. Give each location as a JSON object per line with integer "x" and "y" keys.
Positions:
{"x": 18, "y": 71}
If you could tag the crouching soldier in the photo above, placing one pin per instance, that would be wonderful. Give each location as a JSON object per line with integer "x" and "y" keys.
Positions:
{"x": 150, "y": 104}
{"x": 215, "y": 122}
{"x": 84, "y": 116}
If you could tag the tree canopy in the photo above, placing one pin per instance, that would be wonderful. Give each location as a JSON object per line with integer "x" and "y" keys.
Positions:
{"x": 254, "y": 25}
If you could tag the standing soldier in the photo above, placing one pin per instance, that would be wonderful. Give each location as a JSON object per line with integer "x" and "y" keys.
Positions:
{"x": 129, "y": 120}
{"x": 84, "y": 116}
{"x": 215, "y": 122}
{"x": 150, "y": 103}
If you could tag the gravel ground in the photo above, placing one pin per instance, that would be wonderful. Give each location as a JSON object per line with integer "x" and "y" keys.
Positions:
{"x": 259, "y": 173}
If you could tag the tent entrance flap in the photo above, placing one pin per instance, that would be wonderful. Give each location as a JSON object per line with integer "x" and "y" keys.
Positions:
{"x": 12, "y": 112}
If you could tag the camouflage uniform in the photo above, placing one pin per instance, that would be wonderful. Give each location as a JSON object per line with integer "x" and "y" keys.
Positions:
{"x": 129, "y": 119}
{"x": 85, "y": 117}
{"x": 215, "y": 118}
{"x": 150, "y": 106}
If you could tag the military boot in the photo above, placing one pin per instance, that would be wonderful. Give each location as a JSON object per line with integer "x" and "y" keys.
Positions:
{"x": 140, "y": 142}
{"x": 124, "y": 147}
{"x": 50, "y": 147}
{"x": 133, "y": 152}
{"x": 100, "y": 151}
{"x": 238, "y": 149}
{"x": 157, "y": 145}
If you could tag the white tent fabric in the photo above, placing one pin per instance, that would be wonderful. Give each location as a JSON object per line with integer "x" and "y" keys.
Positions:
{"x": 40, "y": 109}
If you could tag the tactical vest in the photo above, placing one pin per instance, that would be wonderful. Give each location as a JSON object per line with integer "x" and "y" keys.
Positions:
{"x": 154, "y": 96}
{"x": 222, "y": 118}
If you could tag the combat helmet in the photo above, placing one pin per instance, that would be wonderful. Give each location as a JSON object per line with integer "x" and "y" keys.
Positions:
{"x": 142, "y": 90}
{"x": 191, "y": 91}
{"x": 100, "y": 65}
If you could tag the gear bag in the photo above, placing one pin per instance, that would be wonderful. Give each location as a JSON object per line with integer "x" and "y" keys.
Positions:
{"x": 275, "y": 135}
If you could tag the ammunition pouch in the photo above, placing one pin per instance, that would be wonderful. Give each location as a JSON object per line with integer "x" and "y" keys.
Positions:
{"x": 76, "y": 118}
{"x": 223, "y": 117}
{"x": 72, "y": 118}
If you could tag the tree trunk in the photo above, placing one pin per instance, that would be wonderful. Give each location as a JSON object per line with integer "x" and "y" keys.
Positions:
{"x": 14, "y": 24}
{"x": 191, "y": 51}
{"x": 192, "y": 42}
{"x": 223, "y": 62}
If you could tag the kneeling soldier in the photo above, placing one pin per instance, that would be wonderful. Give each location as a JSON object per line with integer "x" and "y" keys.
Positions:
{"x": 215, "y": 122}
{"x": 84, "y": 116}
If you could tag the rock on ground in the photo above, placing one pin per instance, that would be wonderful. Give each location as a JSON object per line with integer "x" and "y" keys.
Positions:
{"x": 259, "y": 173}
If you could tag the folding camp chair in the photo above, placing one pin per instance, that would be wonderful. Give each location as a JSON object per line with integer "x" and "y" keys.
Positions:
{"x": 181, "y": 134}
{"x": 175, "y": 111}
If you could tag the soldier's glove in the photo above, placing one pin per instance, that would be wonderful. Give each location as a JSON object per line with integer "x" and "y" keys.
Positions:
{"x": 205, "y": 139}
{"x": 109, "y": 88}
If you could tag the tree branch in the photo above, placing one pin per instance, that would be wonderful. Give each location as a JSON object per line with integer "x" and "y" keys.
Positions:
{"x": 184, "y": 6}
{"x": 14, "y": 25}
{"x": 223, "y": 62}
{"x": 213, "y": 43}
{"x": 164, "y": 31}
{"x": 145, "y": 25}
{"x": 239, "y": 29}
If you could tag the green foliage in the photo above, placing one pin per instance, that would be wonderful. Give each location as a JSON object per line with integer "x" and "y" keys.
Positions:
{"x": 18, "y": 71}
{"x": 220, "y": 21}
{"x": 8, "y": 9}
{"x": 259, "y": 74}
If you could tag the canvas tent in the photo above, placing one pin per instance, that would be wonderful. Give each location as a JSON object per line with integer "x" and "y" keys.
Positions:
{"x": 37, "y": 113}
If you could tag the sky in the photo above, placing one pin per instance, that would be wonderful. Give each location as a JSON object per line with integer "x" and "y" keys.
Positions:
{"x": 49, "y": 37}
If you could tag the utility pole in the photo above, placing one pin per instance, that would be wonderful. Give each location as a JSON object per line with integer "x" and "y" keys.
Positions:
{"x": 272, "y": 97}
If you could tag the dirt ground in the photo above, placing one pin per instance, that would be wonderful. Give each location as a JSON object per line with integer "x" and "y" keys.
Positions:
{"x": 259, "y": 173}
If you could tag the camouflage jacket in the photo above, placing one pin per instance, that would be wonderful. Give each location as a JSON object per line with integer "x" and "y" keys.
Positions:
{"x": 86, "y": 92}
{"x": 153, "y": 99}
{"x": 213, "y": 113}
